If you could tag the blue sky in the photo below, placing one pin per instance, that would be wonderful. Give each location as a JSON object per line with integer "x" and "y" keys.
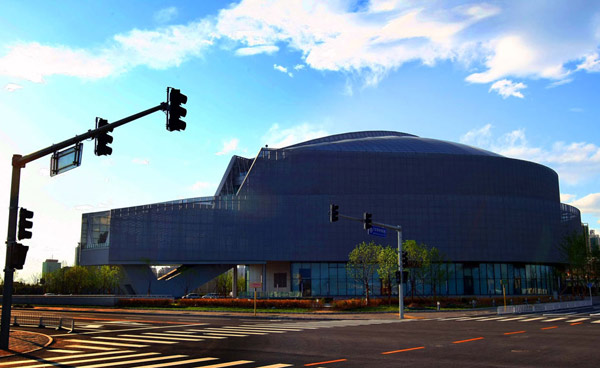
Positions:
{"x": 518, "y": 78}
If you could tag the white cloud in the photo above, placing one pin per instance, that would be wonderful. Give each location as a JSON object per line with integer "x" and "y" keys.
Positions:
{"x": 507, "y": 88}
{"x": 299, "y": 66}
{"x": 576, "y": 109}
{"x": 159, "y": 49}
{"x": 277, "y": 137}
{"x": 590, "y": 204}
{"x": 229, "y": 146}
{"x": 590, "y": 64}
{"x": 565, "y": 198}
{"x": 255, "y": 50}
{"x": 11, "y": 87}
{"x": 140, "y": 161}
{"x": 165, "y": 15}
{"x": 282, "y": 69}
{"x": 575, "y": 162}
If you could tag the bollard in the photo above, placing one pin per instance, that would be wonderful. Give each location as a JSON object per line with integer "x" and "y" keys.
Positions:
{"x": 438, "y": 306}
{"x": 59, "y": 323}
{"x": 15, "y": 324}
{"x": 41, "y": 324}
{"x": 72, "y": 325}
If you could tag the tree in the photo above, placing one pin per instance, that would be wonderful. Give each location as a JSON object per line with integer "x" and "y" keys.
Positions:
{"x": 438, "y": 270}
{"x": 418, "y": 263}
{"x": 575, "y": 252}
{"x": 388, "y": 265}
{"x": 363, "y": 261}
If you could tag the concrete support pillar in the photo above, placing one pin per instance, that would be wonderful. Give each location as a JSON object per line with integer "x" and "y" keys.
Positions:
{"x": 234, "y": 290}
{"x": 264, "y": 277}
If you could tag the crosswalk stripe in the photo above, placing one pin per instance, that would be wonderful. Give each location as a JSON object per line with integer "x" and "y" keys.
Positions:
{"x": 490, "y": 319}
{"x": 296, "y": 328}
{"x": 578, "y": 320}
{"x": 173, "y": 336}
{"x": 90, "y": 347}
{"x": 598, "y": 321}
{"x": 62, "y": 357}
{"x": 170, "y": 364}
{"x": 555, "y": 319}
{"x": 280, "y": 365}
{"x": 532, "y": 319}
{"x": 222, "y": 334}
{"x": 64, "y": 351}
{"x": 512, "y": 319}
{"x": 67, "y": 363}
{"x": 179, "y": 332}
{"x": 101, "y": 365}
{"x": 133, "y": 338}
{"x": 108, "y": 343}
{"x": 250, "y": 329}
{"x": 228, "y": 364}
{"x": 478, "y": 318}
{"x": 220, "y": 330}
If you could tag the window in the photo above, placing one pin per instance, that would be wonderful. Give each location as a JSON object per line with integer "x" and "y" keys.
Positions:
{"x": 280, "y": 280}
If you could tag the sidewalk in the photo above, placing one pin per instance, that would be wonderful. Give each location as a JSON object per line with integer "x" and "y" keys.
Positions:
{"x": 22, "y": 342}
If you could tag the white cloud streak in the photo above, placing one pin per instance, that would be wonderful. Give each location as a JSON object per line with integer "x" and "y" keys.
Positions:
{"x": 575, "y": 162}
{"x": 278, "y": 137}
{"x": 497, "y": 42}
{"x": 229, "y": 146}
{"x": 507, "y": 88}
{"x": 11, "y": 87}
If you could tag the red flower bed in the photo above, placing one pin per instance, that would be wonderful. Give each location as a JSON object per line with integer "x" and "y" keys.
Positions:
{"x": 248, "y": 303}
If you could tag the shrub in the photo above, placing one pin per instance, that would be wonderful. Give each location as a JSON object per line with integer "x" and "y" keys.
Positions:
{"x": 145, "y": 302}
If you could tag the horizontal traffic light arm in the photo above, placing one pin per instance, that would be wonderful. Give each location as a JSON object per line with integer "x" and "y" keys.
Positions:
{"x": 21, "y": 161}
{"x": 374, "y": 223}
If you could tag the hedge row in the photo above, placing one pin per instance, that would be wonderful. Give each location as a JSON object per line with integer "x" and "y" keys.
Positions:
{"x": 249, "y": 303}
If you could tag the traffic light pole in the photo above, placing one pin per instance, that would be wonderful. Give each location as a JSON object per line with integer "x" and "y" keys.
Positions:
{"x": 397, "y": 229}
{"x": 19, "y": 162}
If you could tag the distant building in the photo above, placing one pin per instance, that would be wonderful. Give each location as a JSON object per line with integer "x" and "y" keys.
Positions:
{"x": 594, "y": 241}
{"x": 50, "y": 265}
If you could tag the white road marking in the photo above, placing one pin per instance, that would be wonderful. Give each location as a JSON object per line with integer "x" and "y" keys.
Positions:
{"x": 133, "y": 329}
{"x": 220, "y": 330}
{"x": 170, "y": 364}
{"x": 578, "y": 320}
{"x": 280, "y": 365}
{"x": 153, "y": 335}
{"x": 134, "y": 338}
{"x": 228, "y": 364}
{"x": 101, "y": 365}
{"x": 490, "y": 319}
{"x": 532, "y": 319}
{"x": 108, "y": 343}
{"x": 598, "y": 321}
{"x": 222, "y": 334}
{"x": 555, "y": 319}
{"x": 62, "y": 357}
{"x": 67, "y": 363}
{"x": 511, "y": 319}
{"x": 64, "y": 351}
{"x": 90, "y": 347}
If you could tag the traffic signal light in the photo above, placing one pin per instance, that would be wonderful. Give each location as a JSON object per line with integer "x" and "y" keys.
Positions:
{"x": 25, "y": 224}
{"x": 18, "y": 252}
{"x": 404, "y": 259}
{"x": 175, "y": 111}
{"x": 367, "y": 220}
{"x": 101, "y": 147}
{"x": 334, "y": 212}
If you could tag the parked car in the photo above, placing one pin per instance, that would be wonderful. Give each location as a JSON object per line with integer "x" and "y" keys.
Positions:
{"x": 211, "y": 296}
{"x": 191, "y": 296}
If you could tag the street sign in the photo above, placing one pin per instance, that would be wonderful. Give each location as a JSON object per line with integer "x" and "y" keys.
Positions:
{"x": 590, "y": 284}
{"x": 256, "y": 285}
{"x": 378, "y": 231}
{"x": 66, "y": 160}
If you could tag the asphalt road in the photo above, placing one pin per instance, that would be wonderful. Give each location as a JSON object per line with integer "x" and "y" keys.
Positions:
{"x": 104, "y": 340}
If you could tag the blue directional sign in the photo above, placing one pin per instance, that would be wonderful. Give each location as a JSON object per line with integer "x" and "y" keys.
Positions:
{"x": 378, "y": 231}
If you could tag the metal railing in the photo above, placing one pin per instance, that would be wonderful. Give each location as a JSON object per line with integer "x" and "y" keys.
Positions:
{"x": 544, "y": 307}
{"x": 42, "y": 320}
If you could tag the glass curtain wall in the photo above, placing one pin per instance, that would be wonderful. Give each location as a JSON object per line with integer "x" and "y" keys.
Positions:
{"x": 486, "y": 279}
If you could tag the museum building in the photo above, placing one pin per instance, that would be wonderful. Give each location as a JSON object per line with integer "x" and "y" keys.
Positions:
{"x": 495, "y": 218}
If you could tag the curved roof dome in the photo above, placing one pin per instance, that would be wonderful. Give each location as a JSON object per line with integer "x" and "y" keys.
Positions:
{"x": 387, "y": 141}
